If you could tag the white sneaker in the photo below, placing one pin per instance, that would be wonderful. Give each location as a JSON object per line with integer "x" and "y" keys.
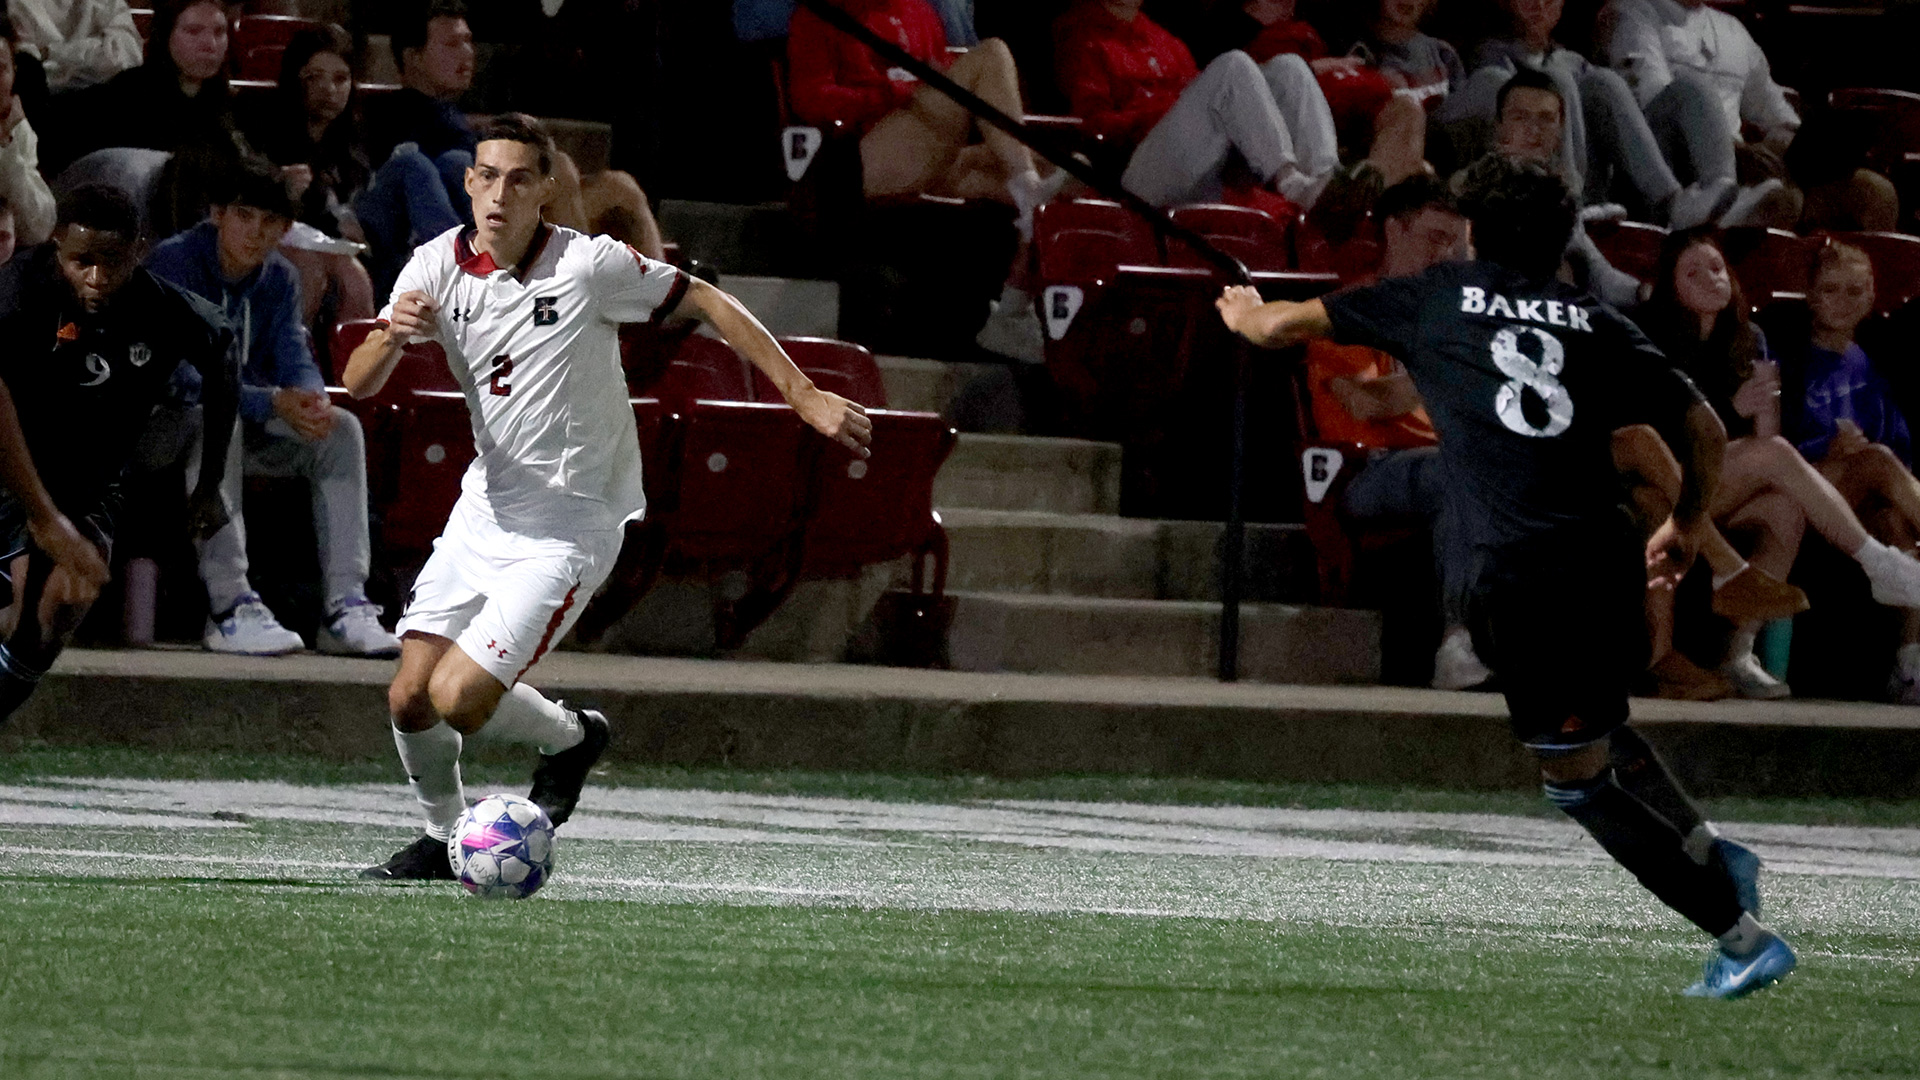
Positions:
{"x": 1697, "y": 204}
{"x": 1752, "y": 681}
{"x": 353, "y": 629}
{"x": 1893, "y": 575}
{"x": 1903, "y": 687}
{"x": 1611, "y": 211}
{"x": 1013, "y": 330}
{"x": 250, "y": 630}
{"x": 1030, "y": 191}
{"x": 1455, "y": 667}
{"x": 1748, "y": 202}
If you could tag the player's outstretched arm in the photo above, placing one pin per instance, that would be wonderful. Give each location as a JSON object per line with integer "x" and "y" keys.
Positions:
{"x": 1275, "y": 325}
{"x": 415, "y": 317}
{"x": 830, "y": 414}
{"x": 219, "y": 368}
{"x": 50, "y": 529}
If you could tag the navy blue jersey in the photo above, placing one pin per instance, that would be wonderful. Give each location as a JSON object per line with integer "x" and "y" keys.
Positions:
{"x": 1526, "y": 383}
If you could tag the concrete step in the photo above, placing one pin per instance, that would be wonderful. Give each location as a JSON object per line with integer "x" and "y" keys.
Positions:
{"x": 1075, "y": 635}
{"x": 1034, "y": 553}
{"x": 1018, "y": 472}
{"x": 927, "y": 385}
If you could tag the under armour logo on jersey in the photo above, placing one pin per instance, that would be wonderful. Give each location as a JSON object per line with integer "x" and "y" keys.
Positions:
{"x": 97, "y": 367}
{"x": 139, "y": 354}
{"x": 461, "y": 314}
{"x": 546, "y": 311}
{"x": 494, "y": 646}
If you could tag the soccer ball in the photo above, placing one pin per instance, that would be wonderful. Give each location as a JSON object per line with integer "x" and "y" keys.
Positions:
{"x": 502, "y": 848}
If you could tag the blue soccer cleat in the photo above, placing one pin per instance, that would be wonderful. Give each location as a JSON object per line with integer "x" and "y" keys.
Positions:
{"x": 1728, "y": 977}
{"x": 1743, "y": 865}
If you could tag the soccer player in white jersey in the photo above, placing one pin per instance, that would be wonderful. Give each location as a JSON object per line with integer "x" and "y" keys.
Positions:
{"x": 528, "y": 313}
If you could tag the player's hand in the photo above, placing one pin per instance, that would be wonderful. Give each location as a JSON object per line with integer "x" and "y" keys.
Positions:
{"x": 1760, "y": 393}
{"x": 308, "y": 412}
{"x": 843, "y": 421}
{"x": 1847, "y": 441}
{"x": 206, "y": 514}
{"x": 1673, "y": 548}
{"x": 415, "y": 317}
{"x": 73, "y": 552}
{"x": 1237, "y": 305}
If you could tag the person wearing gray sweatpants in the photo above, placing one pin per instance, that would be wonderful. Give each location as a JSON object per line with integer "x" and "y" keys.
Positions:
{"x": 1273, "y": 114}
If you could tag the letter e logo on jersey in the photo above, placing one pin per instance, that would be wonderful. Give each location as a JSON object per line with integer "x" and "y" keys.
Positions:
{"x": 1060, "y": 304}
{"x": 546, "y": 310}
{"x": 1551, "y": 404}
{"x": 1318, "y": 467}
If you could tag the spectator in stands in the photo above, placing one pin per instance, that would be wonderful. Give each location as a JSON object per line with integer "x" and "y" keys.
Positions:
{"x": 1841, "y": 414}
{"x": 1137, "y": 85}
{"x": 765, "y": 20}
{"x": 289, "y": 426}
{"x": 1699, "y": 319}
{"x": 78, "y": 42}
{"x": 1605, "y": 135}
{"x": 177, "y": 101}
{"x": 21, "y": 186}
{"x": 423, "y": 146}
{"x": 1362, "y": 396}
{"x": 1417, "y": 64}
{"x": 1658, "y": 44}
{"x": 8, "y": 236}
{"x": 307, "y": 129}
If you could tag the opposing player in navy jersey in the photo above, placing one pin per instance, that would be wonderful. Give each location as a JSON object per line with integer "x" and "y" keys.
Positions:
{"x": 91, "y": 344}
{"x": 528, "y": 314}
{"x": 1526, "y": 379}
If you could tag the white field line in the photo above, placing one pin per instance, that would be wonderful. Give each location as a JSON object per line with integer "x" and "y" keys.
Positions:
{"x": 195, "y": 860}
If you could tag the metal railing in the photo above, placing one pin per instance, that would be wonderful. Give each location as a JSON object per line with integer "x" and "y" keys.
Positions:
{"x": 1056, "y": 149}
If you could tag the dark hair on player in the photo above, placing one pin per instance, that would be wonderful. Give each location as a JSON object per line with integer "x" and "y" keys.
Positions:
{"x": 1671, "y": 324}
{"x": 257, "y": 184}
{"x": 1522, "y": 214}
{"x": 1411, "y": 196}
{"x": 100, "y": 207}
{"x": 1527, "y": 78}
{"x": 520, "y": 128}
{"x": 410, "y": 30}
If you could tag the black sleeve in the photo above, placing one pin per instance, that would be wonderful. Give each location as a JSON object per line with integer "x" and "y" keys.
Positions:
{"x": 1645, "y": 387}
{"x": 1385, "y": 316}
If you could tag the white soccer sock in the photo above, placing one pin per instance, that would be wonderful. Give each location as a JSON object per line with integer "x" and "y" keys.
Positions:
{"x": 1746, "y": 936}
{"x": 1743, "y": 641}
{"x": 432, "y": 761}
{"x": 1699, "y": 842}
{"x": 523, "y": 716}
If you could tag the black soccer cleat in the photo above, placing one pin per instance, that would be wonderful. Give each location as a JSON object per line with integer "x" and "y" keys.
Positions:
{"x": 423, "y": 860}
{"x": 558, "y": 778}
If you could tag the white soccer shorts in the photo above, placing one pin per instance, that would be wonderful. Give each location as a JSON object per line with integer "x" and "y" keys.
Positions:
{"x": 503, "y": 598}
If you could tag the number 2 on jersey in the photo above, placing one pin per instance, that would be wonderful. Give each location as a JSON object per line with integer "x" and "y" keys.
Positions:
{"x": 498, "y": 385}
{"x": 1524, "y": 374}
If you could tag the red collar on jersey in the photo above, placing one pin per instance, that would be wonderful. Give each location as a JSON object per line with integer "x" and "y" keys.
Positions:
{"x": 481, "y": 264}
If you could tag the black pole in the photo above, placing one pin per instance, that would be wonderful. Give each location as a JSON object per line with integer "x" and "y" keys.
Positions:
{"x": 1234, "y": 539}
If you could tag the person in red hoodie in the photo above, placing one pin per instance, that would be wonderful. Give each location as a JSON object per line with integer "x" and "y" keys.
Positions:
{"x": 1136, "y": 84}
{"x": 913, "y": 140}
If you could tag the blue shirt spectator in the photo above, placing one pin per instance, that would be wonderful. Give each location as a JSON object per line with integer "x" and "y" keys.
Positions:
{"x": 263, "y": 308}
{"x": 1844, "y": 386}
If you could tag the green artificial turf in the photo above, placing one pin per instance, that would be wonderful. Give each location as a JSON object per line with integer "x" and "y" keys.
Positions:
{"x": 174, "y": 979}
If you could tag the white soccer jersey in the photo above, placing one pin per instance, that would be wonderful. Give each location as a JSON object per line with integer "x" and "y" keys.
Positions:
{"x": 539, "y": 362}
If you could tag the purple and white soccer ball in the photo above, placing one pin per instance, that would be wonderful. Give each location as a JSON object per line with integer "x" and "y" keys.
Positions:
{"x": 502, "y": 848}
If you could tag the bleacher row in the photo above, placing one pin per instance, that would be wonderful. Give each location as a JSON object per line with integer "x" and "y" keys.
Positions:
{"x": 735, "y": 481}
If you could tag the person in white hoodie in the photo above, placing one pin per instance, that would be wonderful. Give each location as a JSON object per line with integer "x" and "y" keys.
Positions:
{"x": 21, "y": 184}
{"x": 1659, "y": 45}
{"x": 80, "y": 42}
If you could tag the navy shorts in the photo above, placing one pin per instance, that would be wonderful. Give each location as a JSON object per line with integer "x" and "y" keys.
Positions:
{"x": 95, "y": 523}
{"x": 1563, "y": 625}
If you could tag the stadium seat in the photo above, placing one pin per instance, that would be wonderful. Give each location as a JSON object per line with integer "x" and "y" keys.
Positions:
{"x": 259, "y": 40}
{"x": 433, "y": 449}
{"x": 1633, "y": 247}
{"x": 142, "y": 21}
{"x": 1253, "y": 237}
{"x": 1895, "y": 124}
{"x": 837, "y": 366}
{"x": 702, "y": 368}
{"x": 1896, "y": 266}
{"x": 1768, "y": 261}
{"x": 1353, "y": 259}
{"x": 422, "y": 366}
{"x": 878, "y": 509}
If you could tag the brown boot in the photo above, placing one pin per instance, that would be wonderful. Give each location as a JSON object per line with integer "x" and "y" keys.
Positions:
{"x": 1677, "y": 678}
{"x": 1753, "y": 595}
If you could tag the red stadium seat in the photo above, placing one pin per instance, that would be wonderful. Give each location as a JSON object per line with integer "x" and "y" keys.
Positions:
{"x": 1253, "y": 237}
{"x": 259, "y": 40}
{"x": 142, "y": 21}
{"x": 1353, "y": 259}
{"x": 434, "y": 448}
{"x": 423, "y": 366}
{"x": 1082, "y": 240}
{"x": 1894, "y": 120}
{"x": 878, "y": 509}
{"x": 1768, "y": 261}
{"x": 837, "y": 366}
{"x": 703, "y": 368}
{"x": 1633, "y": 247}
{"x": 1896, "y": 266}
